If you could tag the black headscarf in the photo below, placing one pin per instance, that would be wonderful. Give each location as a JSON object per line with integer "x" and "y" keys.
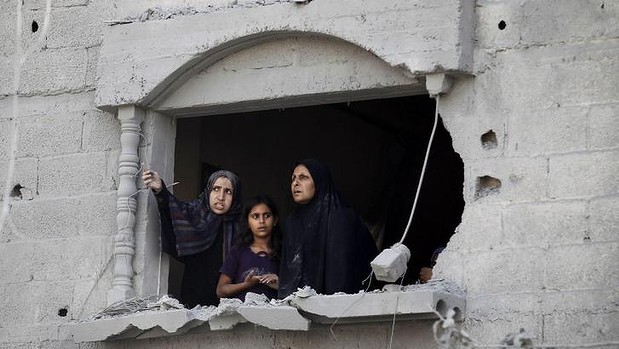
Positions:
{"x": 195, "y": 226}
{"x": 326, "y": 245}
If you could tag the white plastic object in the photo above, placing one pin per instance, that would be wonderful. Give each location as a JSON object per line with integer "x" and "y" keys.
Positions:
{"x": 391, "y": 263}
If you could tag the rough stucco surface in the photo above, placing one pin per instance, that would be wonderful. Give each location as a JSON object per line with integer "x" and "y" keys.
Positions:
{"x": 539, "y": 253}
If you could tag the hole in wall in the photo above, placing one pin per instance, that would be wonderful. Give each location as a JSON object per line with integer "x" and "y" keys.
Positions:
{"x": 602, "y": 7}
{"x": 63, "y": 312}
{"x": 16, "y": 191}
{"x": 441, "y": 307}
{"x": 487, "y": 185}
{"x": 35, "y": 26}
{"x": 502, "y": 25}
{"x": 488, "y": 140}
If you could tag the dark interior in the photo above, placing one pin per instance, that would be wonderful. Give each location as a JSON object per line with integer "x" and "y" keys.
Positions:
{"x": 375, "y": 150}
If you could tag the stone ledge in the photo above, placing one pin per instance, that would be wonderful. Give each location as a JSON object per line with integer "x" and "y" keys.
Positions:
{"x": 409, "y": 303}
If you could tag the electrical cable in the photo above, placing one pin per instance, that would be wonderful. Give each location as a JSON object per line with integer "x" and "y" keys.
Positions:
{"x": 423, "y": 169}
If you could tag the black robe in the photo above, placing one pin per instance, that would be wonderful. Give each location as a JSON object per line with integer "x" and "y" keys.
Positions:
{"x": 326, "y": 245}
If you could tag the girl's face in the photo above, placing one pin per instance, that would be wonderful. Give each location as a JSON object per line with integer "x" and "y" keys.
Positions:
{"x": 261, "y": 221}
{"x": 302, "y": 185}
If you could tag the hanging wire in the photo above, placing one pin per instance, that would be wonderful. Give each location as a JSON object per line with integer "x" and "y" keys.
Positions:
{"x": 423, "y": 169}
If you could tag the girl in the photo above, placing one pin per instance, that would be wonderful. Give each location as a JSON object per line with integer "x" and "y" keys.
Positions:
{"x": 253, "y": 264}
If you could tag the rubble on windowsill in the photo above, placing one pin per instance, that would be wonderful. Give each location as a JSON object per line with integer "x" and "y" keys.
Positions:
{"x": 158, "y": 316}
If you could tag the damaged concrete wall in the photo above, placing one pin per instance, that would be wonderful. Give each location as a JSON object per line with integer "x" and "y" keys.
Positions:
{"x": 536, "y": 128}
{"x": 535, "y": 122}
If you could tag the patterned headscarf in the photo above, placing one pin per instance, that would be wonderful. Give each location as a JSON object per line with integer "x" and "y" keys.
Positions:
{"x": 196, "y": 226}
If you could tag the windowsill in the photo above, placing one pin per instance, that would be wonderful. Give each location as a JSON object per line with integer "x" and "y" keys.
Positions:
{"x": 414, "y": 302}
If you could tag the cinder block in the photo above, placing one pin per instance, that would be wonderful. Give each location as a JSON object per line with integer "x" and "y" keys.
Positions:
{"x": 580, "y": 327}
{"x": 101, "y": 131}
{"x": 70, "y": 3}
{"x": 46, "y": 135}
{"x": 7, "y": 86}
{"x": 5, "y": 138}
{"x": 488, "y": 15}
{"x": 579, "y": 69}
{"x": 584, "y": 266}
{"x": 603, "y": 219}
{"x": 507, "y": 270}
{"x": 76, "y": 26}
{"x": 547, "y": 131}
{"x": 545, "y": 224}
{"x": 89, "y": 295}
{"x": 590, "y": 20}
{"x": 16, "y": 309}
{"x": 55, "y": 105}
{"x": 91, "y": 70}
{"x": 83, "y": 216}
{"x": 583, "y": 174}
{"x": 594, "y": 301}
{"x": 495, "y": 306}
{"x": 25, "y": 174}
{"x": 70, "y": 259}
{"x": 490, "y": 332}
{"x": 72, "y": 174}
{"x": 52, "y": 71}
{"x": 522, "y": 179}
{"x": 8, "y": 21}
{"x": 481, "y": 228}
{"x": 15, "y": 266}
{"x": 601, "y": 119}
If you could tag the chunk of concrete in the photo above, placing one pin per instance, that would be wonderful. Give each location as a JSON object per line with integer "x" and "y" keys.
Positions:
{"x": 275, "y": 318}
{"x": 424, "y": 303}
{"x": 225, "y": 321}
{"x": 136, "y": 325}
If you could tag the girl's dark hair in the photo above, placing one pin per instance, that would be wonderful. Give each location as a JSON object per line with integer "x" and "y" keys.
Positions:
{"x": 246, "y": 237}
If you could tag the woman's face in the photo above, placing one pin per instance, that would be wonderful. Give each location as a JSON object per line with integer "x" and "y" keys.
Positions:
{"x": 302, "y": 185}
{"x": 220, "y": 197}
{"x": 261, "y": 221}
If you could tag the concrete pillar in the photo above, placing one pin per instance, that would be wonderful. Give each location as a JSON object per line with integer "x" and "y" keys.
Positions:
{"x": 130, "y": 118}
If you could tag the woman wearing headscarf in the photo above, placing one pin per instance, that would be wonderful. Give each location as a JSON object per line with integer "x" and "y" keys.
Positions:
{"x": 198, "y": 233}
{"x": 326, "y": 245}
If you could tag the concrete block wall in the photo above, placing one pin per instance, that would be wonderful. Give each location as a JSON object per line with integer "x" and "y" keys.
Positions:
{"x": 57, "y": 241}
{"x": 539, "y": 252}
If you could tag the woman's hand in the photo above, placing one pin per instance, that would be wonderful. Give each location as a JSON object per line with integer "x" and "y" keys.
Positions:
{"x": 271, "y": 280}
{"x": 152, "y": 180}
